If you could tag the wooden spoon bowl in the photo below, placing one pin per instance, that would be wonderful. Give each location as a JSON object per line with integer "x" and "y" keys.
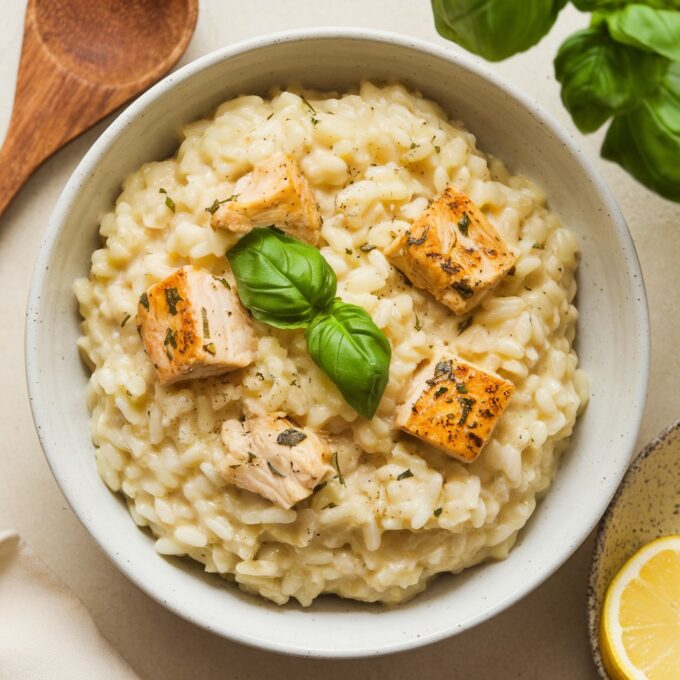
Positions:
{"x": 80, "y": 60}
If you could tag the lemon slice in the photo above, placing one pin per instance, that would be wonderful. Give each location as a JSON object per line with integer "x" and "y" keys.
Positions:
{"x": 640, "y": 622}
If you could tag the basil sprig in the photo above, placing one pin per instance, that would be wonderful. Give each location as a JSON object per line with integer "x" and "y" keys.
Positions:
{"x": 495, "y": 29}
{"x": 288, "y": 284}
{"x": 352, "y": 351}
{"x": 624, "y": 67}
{"x": 602, "y": 78}
{"x": 282, "y": 281}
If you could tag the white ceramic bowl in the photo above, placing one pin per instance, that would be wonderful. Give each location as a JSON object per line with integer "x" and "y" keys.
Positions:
{"x": 612, "y": 337}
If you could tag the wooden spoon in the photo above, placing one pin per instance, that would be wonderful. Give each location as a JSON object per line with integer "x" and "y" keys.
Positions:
{"x": 80, "y": 60}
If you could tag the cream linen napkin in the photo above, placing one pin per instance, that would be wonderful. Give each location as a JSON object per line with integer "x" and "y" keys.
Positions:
{"x": 45, "y": 631}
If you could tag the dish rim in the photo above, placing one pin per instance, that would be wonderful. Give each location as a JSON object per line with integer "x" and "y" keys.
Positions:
{"x": 592, "y": 611}
{"x": 108, "y": 138}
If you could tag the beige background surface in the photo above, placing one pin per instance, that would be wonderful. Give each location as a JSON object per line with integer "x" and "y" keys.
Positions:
{"x": 544, "y": 636}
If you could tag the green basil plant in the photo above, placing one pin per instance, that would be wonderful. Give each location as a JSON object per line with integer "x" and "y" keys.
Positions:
{"x": 495, "y": 29}
{"x": 624, "y": 67}
{"x": 288, "y": 284}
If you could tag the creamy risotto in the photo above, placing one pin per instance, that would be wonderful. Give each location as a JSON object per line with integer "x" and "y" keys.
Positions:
{"x": 374, "y": 159}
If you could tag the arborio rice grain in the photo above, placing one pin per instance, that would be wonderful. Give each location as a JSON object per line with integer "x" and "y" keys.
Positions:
{"x": 374, "y": 158}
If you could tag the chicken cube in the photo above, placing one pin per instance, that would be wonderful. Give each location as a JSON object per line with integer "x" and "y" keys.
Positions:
{"x": 193, "y": 326}
{"x": 270, "y": 456}
{"x": 452, "y": 252}
{"x": 454, "y": 406}
{"x": 274, "y": 193}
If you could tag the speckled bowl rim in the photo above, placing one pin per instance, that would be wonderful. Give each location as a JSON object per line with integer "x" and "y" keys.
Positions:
{"x": 462, "y": 61}
{"x": 592, "y": 610}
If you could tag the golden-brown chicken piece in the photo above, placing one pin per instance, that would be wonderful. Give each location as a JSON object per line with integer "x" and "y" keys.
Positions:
{"x": 270, "y": 456}
{"x": 452, "y": 252}
{"x": 193, "y": 326}
{"x": 454, "y": 406}
{"x": 274, "y": 193}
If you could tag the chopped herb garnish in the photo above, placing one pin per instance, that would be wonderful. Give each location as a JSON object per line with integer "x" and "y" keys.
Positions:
{"x": 144, "y": 300}
{"x": 439, "y": 391}
{"x": 273, "y": 469}
{"x": 367, "y": 247}
{"x": 437, "y": 512}
{"x": 307, "y": 104}
{"x": 330, "y": 505}
{"x": 170, "y": 203}
{"x": 463, "y": 288}
{"x": 461, "y": 388}
{"x": 413, "y": 145}
{"x": 442, "y": 368}
{"x": 405, "y": 279}
{"x": 233, "y": 467}
{"x": 270, "y": 115}
{"x": 437, "y": 148}
{"x": 319, "y": 486}
{"x": 467, "y": 403}
{"x": 223, "y": 281}
{"x": 162, "y": 191}
{"x": 464, "y": 325}
{"x": 449, "y": 267}
{"x": 170, "y": 338}
{"x": 463, "y": 224}
{"x": 206, "y": 326}
{"x": 172, "y": 297}
{"x": 336, "y": 465}
{"x": 538, "y": 246}
{"x": 405, "y": 475}
{"x": 416, "y": 241}
{"x": 210, "y": 348}
{"x": 126, "y": 318}
{"x": 212, "y": 209}
{"x": 315, "y": 121}
{"x": 251, "y": 456}
{"x": 290, "y": 437}
{"x": 348, "y": 251}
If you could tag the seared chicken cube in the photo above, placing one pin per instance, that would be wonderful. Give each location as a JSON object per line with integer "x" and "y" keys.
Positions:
{"x": 193, "y": 326}
{"x": 270, "y": 456}
{"x": 454, "y": 406}
{"x": 453, "y": 252}
{"x": 274, "y": 193}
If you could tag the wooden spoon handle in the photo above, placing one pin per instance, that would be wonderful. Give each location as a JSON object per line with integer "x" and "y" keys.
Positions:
{"x": 80, "y": 60}
{"x": 51, "y": 107}
{"x": 40, "y": 124}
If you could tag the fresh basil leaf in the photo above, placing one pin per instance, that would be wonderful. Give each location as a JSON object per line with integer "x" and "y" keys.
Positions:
{"x": 601, "y": 77}
{"x": 608, "y": 5}
{"x": 495, "y": 29}
{"x": 646, "y": 141}
{"x": 282, "y": 281}
{"x": 347, "y": 345}
{"x": 654, "y": 30}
